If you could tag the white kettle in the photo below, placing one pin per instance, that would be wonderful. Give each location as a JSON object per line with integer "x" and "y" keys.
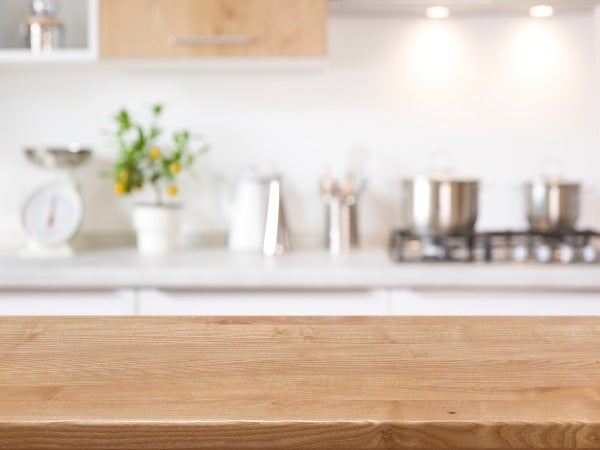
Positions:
{"x": 257, "y": 222}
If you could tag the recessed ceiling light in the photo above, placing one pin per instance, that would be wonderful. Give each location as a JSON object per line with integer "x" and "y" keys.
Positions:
{"x": 541, "y": 11}
{"x": 437, "y": 12}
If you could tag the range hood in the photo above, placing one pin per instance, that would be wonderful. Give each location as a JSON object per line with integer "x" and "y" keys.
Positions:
{"x": 457, "y": 6}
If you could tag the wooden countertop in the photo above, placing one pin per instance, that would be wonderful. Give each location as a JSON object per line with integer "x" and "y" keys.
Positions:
{"x": 299, "y": 383}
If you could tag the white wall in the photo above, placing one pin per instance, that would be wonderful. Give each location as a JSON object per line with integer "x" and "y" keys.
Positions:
{"x": 502, "y": 94}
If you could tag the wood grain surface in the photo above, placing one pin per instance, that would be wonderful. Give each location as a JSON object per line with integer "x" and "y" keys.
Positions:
{"x": 277, "y": 28}
{"x": 299, "y": 383}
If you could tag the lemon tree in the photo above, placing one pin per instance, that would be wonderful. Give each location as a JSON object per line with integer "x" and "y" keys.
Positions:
{"x": 145, "y": 159}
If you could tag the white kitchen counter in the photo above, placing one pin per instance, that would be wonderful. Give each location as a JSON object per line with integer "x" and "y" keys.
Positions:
{"x": 217, "y": 269}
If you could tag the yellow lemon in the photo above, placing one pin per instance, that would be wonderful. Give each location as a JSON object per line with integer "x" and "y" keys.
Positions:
{"x": 175, "y": 168}
{"x": 172, "y": 190}
{"x": 119, "y": 188}
{"x": 154, "y": 153}
{"x": 123, "y": 176}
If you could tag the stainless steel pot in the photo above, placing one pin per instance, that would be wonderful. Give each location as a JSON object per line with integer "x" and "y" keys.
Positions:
{"x": 440, "y": 207}
{"x": 552, "y": 206}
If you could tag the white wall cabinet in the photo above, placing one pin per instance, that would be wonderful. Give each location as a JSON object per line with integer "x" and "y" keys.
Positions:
{"x": 80, "y": 17}
{"x": 266, "y": 303}
{"x": 67, "y": 303}
{"x": 490, "y": 303}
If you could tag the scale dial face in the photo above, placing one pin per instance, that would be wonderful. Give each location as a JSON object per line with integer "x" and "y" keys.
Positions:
{"x": 52, "y": 215}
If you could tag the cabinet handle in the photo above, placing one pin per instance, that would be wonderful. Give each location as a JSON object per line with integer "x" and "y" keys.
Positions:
{"x": 224, "y": 39}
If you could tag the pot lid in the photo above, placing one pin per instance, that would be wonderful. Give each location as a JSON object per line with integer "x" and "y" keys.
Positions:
{"x": 442, "y": 179}
{"x": 553, "y": 173}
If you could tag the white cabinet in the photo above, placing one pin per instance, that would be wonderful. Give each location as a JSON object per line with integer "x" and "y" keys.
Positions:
{"x": 264, "y": 303}
{"x": 80, "y": 19}
{"x": 297, "y": 303}
{"x": 491, "y": 303}
{"x": 67, "y": 303}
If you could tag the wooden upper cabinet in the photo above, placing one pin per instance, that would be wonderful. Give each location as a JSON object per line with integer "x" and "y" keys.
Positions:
{"x": 213, "y": 28}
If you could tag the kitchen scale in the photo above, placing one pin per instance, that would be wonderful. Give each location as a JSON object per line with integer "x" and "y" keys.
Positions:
{"x": 53, "y": 212}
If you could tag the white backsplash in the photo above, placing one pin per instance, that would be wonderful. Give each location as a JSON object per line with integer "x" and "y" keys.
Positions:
{"x": 502, "y": 94}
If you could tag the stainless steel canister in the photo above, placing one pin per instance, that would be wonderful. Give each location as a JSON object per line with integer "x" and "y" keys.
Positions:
{"x": 342, "y": 224}
{"x": 434, "y": 207}
{"x": 552, "y": 205}
{"x": 341, "y": 201}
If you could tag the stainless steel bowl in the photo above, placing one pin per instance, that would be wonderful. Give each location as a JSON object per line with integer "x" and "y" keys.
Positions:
{"x": 552, "y": 206}
{"x": 440, "y": 207}
{"x": 58, "y": 157}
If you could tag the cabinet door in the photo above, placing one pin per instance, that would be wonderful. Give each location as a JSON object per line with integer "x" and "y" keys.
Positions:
{"x": 71, "y": 303}
{"x": 490, "y": 303}
{"x": 212, "y": 28}
{"x": 181, "y": 303}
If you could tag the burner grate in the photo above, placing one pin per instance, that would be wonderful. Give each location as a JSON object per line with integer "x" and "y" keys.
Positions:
{"x": 567, "y": 247}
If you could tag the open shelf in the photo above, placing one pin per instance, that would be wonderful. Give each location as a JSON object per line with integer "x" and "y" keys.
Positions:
{"x": 63, "y": 55}
{"x": 81, "y": 33}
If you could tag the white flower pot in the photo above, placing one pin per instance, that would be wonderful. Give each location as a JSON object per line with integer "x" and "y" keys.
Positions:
{"x": 157, "y": 228}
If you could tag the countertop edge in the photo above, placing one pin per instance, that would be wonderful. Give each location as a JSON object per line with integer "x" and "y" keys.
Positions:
{"x": 291, "y": 434}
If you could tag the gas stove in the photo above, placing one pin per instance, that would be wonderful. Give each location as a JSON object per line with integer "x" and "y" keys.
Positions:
{"x": 564, "y": 247}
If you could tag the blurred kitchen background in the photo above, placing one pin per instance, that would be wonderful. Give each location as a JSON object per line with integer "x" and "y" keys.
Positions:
{"x": 503, "y": 94}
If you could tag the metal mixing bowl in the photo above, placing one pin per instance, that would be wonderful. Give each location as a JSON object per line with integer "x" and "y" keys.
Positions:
{"x": 58, "y": 157}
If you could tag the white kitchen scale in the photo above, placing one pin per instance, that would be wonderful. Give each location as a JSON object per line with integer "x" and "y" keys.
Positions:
{"x": 53, "y": 213}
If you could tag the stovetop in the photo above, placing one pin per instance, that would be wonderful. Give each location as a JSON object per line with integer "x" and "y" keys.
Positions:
{"x": 564, "y": 247}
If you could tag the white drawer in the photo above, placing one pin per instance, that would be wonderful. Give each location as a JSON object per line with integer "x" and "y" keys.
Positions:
{"x": 67, "y": 303}
{"x": 491, "y": 303}
{"x": 160, "y": 302}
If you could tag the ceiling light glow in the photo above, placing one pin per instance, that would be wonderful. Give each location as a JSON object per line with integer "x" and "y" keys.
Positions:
{"x": 541, "y": 11}
{"x": 437, "y": 12}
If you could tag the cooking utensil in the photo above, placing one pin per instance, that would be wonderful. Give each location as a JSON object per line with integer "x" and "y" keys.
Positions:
{"x": 552, "y": 205}
{"x": 434, "y": 207}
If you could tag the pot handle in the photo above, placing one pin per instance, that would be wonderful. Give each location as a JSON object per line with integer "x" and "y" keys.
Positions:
{"x": 402, "y": 205}
{"x": 441, "y": 164}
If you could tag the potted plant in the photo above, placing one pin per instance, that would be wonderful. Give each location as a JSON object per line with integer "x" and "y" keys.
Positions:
{"x": 146, "y": 161}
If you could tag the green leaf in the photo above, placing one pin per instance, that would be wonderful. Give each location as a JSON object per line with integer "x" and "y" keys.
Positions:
{"x": 154, "y": 133}
{"x": 157, "y": 109}
{"x": 140, "y": 143}
{"x": 189, "y": 160}
{"x": 181, "y": 138}
{"x": 123, "y": 120}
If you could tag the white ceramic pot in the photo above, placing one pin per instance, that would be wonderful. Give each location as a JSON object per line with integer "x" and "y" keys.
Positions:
{"x": 157, "y": 228}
